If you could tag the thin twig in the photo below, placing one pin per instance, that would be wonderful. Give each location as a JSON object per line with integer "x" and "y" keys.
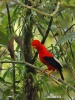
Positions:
{"x": 1, "y": 90}
{"x": 67, "y": 93}
{"x": 38, "y": 11}
{"x": 47, "y": 31}
{"x": 69, "y": 42}
{"x": 5, "y": 84}
{"x": 43, "y": 40}
{"x": 69, "y": 28}
{"x": 35, "y": 67}
{"x": 71, "y": 68}
{"x": 2, "y": 52}
{"x": 8, "y": 13}
{"x": 10, "y": 32}
{"x": 70, "y": 46}
{"x": 63, "y": 89}
{"x": 14, "y": 86}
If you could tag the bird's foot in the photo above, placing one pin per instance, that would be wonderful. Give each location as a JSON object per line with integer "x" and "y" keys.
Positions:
{"x": 43, "y": 71}
{"x": 50, "y": 72}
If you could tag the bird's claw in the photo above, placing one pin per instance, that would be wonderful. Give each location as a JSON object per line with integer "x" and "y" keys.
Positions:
{"x": 50, "y": 72}
{"x": 43, "y": 71}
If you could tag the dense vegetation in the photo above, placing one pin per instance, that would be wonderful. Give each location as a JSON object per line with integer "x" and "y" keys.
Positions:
{"x": 53, "y": 23}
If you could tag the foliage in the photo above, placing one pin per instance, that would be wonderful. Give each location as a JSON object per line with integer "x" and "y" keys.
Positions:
{"x": 53, "y": 23}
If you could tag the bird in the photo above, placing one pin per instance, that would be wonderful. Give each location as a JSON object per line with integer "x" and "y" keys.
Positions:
{"x": 47, "y": 58}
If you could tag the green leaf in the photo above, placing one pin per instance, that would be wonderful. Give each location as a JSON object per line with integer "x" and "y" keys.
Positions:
{"x": 8, "y": 73}
{"x": 3, "y": 36}
{"x": 4, "y": 20}
{"x": 69, "y": 37}
{"x": 72, "y": 2}
{"x": 2, "y": 29}
{"x": 5, "y": 74}
{"x": 22, "y": 70}
{"x": 45, "y": 83}
{"x": 40, "y": 30}
{"x": 6, "y": 93}
{"x": 2, "y": 80}
{"x": 34, "y": 78}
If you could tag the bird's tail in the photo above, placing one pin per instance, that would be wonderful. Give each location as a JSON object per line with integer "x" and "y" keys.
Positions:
{"x": 61, "y": 75}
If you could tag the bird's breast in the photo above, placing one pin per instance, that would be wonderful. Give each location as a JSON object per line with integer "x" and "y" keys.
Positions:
{"x": 41, "y": 57}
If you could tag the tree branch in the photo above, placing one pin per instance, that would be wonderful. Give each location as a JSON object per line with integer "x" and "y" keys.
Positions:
{"x": 10, "y": 32}
{"x": 43, "y": 40}
{"x": 38, "y": 11}
{"x": 47, "y": 31}
{"x": 9, "y": 19}
{"x": 35, "y": 67}
{"x": 69, "y": 42}
{"x": 70, "y": 46}
{"x": 2, "y": 52}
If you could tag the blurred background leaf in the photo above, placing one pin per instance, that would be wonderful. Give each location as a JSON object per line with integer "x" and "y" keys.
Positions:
{"x": 68, "y": 37}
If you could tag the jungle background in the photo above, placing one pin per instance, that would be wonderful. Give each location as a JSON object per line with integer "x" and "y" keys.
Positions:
{"x": 53, "y": 23}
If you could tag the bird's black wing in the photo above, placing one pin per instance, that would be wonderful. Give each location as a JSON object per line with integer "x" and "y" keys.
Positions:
{"x": 53, "y": 62}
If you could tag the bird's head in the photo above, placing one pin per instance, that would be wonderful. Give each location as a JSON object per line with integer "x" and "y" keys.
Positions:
{"x": 36, "y": 43}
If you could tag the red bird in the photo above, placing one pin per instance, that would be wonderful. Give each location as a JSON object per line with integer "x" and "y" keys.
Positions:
{"x": 47, "y": 58}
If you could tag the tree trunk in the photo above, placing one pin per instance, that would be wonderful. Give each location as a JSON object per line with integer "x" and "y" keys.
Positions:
{"x": 30, "y": 91}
